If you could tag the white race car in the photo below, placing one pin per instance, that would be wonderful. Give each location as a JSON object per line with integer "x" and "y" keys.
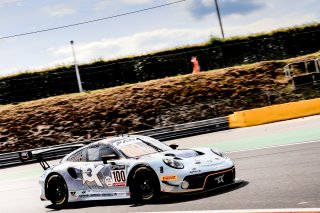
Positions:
{"x": 134, "y": 166}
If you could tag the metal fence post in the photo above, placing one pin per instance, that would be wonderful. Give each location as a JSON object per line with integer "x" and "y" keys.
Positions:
{"x": 76, "y": 68}
{"x": 268, "y": 97}
{"x": 317, "y": 63}
{"x": 159, "y": 115}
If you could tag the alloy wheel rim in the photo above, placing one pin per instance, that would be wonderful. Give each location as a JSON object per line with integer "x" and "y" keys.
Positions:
{"x": 146, "y": 188}
{"x": 58, "y": 192}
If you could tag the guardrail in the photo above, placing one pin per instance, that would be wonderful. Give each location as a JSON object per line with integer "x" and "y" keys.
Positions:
{"x": 162, "y": 134}
{"x": 187, "y": 129}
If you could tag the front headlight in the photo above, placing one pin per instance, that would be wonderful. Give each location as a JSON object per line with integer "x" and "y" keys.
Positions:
{"x": 217, "y": 152}
{"x": 173, "y": 163}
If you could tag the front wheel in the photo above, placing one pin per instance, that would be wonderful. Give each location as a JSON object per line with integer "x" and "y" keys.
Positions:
{"x": 57, "y": 190}
{"x": 144, "y": 186}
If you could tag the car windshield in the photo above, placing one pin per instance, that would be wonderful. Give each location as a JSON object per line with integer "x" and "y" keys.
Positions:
{"x": 135, "y": 147}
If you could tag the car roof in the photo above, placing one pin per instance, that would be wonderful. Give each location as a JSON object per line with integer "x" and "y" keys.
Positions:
{"x": 105, "y": 141}
{"x": 113, "y": 139}
{"x": 108, "y": 140}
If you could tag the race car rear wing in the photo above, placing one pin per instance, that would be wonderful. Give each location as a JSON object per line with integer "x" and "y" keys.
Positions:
{"x": 29, "y": 156}
{"x": 43, "y": 155}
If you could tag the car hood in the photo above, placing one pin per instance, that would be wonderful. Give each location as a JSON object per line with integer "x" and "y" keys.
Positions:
{"x": 180, "y": 153}
{"x": 190, "y": 157}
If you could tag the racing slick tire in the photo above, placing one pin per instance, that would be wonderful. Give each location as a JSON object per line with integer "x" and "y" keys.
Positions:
{"x": 57, "y": 190}
{"x": 144, "y": 186}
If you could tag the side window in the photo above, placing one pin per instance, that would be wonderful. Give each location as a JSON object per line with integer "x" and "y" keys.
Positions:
{"x": 78, "y": 156}
{"x": 96, "y": 153}
{"x": 93, "y": 153}
{"x": 106, "y": 151}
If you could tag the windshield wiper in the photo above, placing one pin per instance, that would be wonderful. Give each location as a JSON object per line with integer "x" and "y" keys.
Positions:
{"x": 150, "y": 144}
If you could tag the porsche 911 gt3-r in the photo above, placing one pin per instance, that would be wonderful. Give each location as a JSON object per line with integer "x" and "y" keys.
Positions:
{"x": 134, "y": 166}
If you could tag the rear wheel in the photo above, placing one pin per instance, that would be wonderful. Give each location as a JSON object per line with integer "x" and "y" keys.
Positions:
{"x": 144, "y": 186}
{"x": 57, "y": 190}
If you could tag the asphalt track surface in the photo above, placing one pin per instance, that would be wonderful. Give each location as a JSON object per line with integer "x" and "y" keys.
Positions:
{"x": 276, "y": 174}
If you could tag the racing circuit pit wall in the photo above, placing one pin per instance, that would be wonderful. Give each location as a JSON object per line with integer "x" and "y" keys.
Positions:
{"x": 274, "y": 113}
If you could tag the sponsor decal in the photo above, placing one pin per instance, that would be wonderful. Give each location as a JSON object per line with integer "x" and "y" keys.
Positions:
{"x": 219, "y": 179}
{"x": 194, "y": 171}
{"x": 108, "y": 181}
{"x": 168, "y": 178}
{"x": 73, "y": 194}
{"x": 119, "y": 184}
{"x": 25, "y": 155}
{"x": 103, "y": 194}
{"x": 90, "y": 174}
{"x": 118, "y": 177}
{"x": 125, "y": 142}
{"x": 118, "y": 167}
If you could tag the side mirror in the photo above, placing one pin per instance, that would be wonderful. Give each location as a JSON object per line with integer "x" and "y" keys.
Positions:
{"x": 107, "y": 158}
{"x": 174, "y": 146}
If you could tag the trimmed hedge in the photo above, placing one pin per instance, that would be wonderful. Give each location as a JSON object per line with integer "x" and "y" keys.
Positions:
{"x": 216, "y": 54}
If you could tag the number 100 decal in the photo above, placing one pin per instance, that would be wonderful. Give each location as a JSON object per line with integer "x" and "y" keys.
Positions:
{"x": 119, "y": 177}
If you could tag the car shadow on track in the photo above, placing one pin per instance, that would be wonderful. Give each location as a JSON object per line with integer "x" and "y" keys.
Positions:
{"x": 201, "y": 195}
{"x": 163, "y": 200}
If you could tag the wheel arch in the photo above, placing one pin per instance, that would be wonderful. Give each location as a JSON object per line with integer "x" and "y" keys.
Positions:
{"x": 47, "y": 179}
{"x": 135, "y": 168}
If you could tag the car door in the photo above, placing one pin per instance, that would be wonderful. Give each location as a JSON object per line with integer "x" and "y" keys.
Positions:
{"x": 98, "y": 173}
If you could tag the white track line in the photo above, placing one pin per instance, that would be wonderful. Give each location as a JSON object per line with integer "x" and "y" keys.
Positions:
{"x": 246, "y": 211}
{"x": 269, "y": 147}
